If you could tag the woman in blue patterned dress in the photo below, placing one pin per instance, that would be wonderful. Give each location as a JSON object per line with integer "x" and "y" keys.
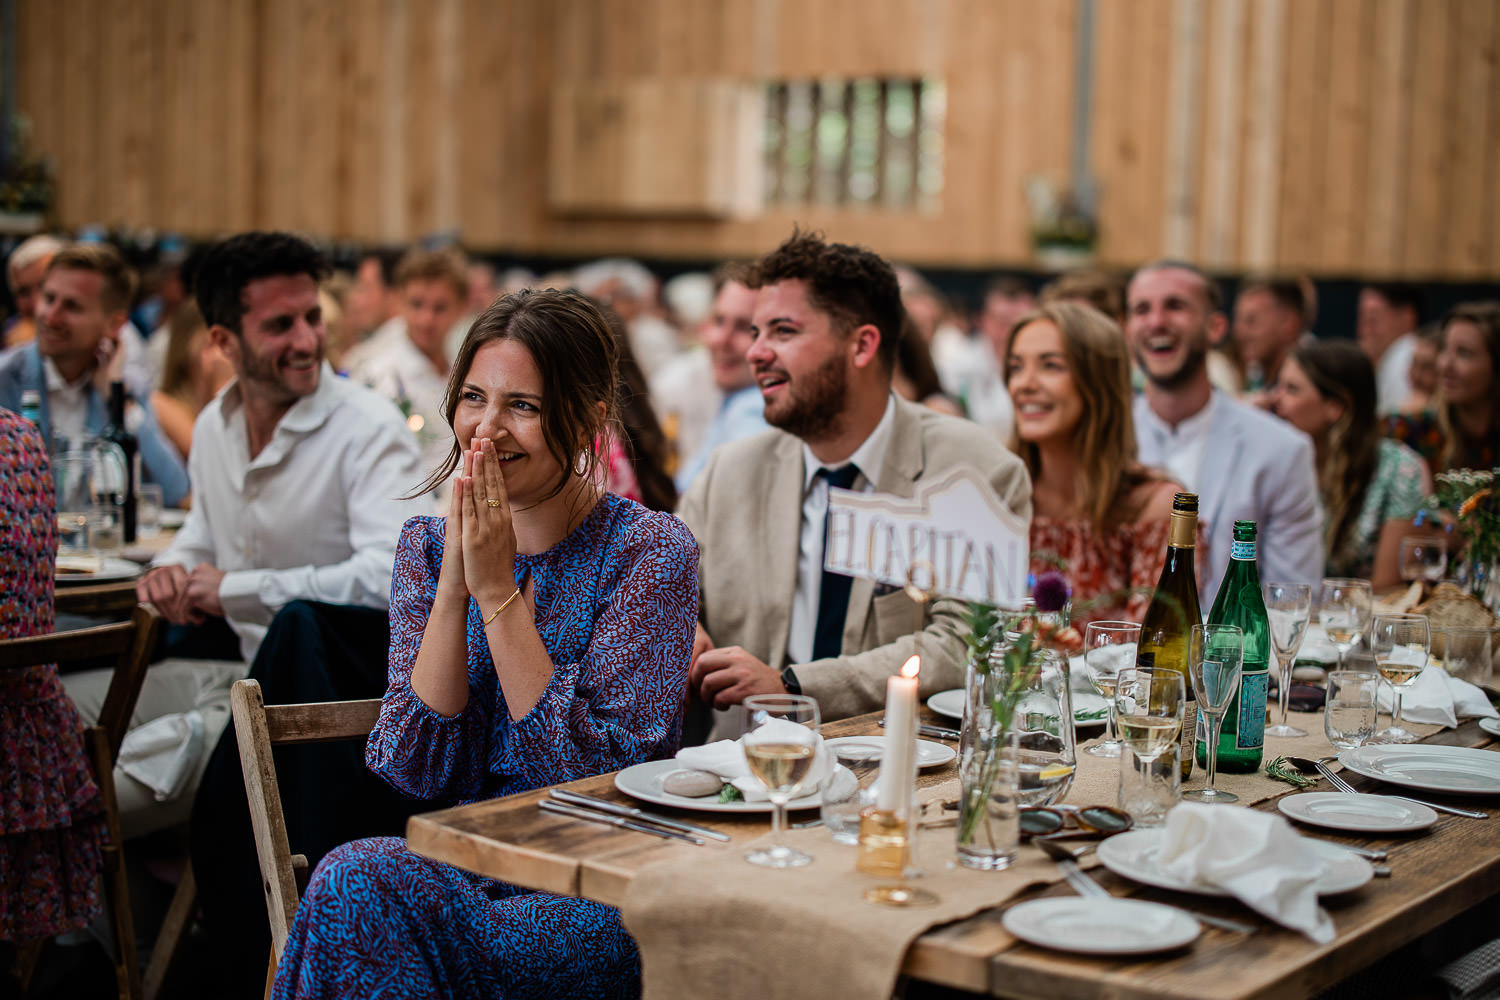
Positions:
{"x": 539, "y": 633}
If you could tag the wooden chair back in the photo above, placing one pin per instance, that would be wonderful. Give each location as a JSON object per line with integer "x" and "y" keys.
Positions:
{"x": 129, "y": 646}
{"x": 258, "y": 727}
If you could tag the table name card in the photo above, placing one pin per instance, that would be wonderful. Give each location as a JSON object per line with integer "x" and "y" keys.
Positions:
{"x": 954, "y": 538}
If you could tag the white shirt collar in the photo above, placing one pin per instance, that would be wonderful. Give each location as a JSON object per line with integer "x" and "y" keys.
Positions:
{"x": 868, "y": 458}
{"x": 56, "y": 382}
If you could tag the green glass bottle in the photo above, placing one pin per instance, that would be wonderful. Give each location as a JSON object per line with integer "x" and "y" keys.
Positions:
{"x": 1172, "y": 612}
{"x": 1242, "y": 737}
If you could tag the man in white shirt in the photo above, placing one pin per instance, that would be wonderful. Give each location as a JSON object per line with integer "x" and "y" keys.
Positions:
{"x": 1389, "y": 314}
{"x": 826, "y": 321}
{"x": 1242, "y": 463}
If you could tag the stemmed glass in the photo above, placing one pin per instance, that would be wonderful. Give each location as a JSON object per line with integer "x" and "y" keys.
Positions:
{"x": 1344, "y": 612}
{"x": 1108, "y": 648}
{"x": 780, "y": 743}
{"x": 1150, "y": 704}
{"x": 1400, "y": 644}
{"x": 1215, "y": 658}
{"x": 1288, "y": 608}
{"x": 1423, "y": 557}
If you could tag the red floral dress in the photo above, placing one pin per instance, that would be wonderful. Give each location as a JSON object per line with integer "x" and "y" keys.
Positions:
{"x": 1128, "y": 559}
{"x": 51, "y": 816}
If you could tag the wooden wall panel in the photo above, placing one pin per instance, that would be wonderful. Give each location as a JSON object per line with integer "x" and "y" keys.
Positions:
{"x": 1340, "y": 137}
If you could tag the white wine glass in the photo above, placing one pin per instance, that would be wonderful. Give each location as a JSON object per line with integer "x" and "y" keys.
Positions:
{"x": 1216, "y": 655}
{"x": 1400, "y": 644}
{"x": 1108, "y": 648}
{"x": 1288, "y": 609}
{"x": 1150, "y": 704}
{"x": 1423, "y": 557}
{"x": 1344, "y": 612}
{"x": 780, "y": 743}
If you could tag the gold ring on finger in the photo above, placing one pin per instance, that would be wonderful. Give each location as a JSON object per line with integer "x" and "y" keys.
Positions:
{"x": 493, "y": 502}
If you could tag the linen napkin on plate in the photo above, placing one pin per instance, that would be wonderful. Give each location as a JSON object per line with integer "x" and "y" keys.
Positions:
{"x": 726, "y": 758}
{"x": 1255, "y": 856}
{"x": 1439, "y": 699}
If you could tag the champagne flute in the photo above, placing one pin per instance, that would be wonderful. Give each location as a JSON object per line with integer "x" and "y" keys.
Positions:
{"x": 1215, "y": 658}
{"x": 1400, "y": 644}
{"x": 1344, "y": 612}
{"x": 1150, "y": 704}
{"x": 1288, "y": 608}
{"x": 1108, "y": 648}
{"x": 780, "y": 743}
{"x": 1423, "y": 557}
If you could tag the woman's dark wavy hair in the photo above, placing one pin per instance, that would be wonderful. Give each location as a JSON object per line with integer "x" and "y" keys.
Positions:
{"x": 575, "y": 351}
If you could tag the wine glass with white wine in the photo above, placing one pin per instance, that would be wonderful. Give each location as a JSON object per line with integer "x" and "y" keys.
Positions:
{"x": 1288, "y": 610}
{"x": 780, "y": 743}
{"x": 1150, "y": 703}
{"x": 1344, "y": 607}
{"x": 1400, "y": 644}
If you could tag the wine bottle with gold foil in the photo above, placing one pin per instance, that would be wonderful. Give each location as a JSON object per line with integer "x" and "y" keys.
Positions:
{"x": 1172, "y": 613}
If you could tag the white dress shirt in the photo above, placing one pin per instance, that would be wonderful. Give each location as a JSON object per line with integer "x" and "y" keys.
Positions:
{"x": 1393, "y": 374}
{"x": 68, "y": 403}
{"x": 1181, "y": 448}
{"x": 314, "y": 516}
{"x": 869, "y": 458}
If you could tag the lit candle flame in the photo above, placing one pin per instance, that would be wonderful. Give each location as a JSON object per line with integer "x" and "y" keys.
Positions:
{"x": 911, "y": 667}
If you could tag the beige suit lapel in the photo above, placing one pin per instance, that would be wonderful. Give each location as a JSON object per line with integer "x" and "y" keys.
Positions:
{"x": 782, "y": 502}
{"x": 898, "y": 476}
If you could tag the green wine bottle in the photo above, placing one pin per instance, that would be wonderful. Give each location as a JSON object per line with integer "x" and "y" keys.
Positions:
{"x": 1171, "y": 614}
{"x": 1242, "y": 736}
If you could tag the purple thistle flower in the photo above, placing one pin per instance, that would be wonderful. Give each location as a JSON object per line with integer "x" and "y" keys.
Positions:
{"x": 1051, "y": 591}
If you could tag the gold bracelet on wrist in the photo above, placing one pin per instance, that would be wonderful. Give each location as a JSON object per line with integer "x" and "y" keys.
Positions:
{"x": 502, "y": 607}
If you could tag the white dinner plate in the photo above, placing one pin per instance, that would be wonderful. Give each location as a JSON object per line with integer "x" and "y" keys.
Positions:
{"x": 1358, "y": 813}
{"x": 1455, "y": 770}
{"x": 171, "y": 517}
{"x": 1491, "y": 726}
{"x": 929, "y": 754}
{"x": 1100, "y": 926}
{"x": 643, "y": 781}
{"x": 73, "y": 569}
{"x": 1133, "y": 856}
{"x": 1090, "y": 706}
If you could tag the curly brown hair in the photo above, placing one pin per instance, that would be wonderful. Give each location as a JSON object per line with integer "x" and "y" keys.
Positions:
{"x": 855, "y": 286}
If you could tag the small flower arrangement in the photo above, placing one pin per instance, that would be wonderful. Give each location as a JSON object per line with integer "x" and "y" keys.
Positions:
{"x": 1465, "y": 501}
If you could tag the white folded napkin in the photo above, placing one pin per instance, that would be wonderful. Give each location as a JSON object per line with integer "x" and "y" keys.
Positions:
{"x": 1437, "y": 698}
{"x": 1316, "y": 647}
{"x": 1255, "y": 856}
{"x": 726, "y": 758}
{"x": 164, "y": 753}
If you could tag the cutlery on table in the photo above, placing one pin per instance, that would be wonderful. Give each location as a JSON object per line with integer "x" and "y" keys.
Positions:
{"x": 641, "y": 815}
{"x": 1320, "y": 766}
{"x": 936, "y": 732}
{"x": 562, "y": 809}
{"x": 1086, "y": 886}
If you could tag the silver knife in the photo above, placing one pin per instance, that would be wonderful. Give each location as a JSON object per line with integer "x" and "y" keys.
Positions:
{"x": 547, "y": 805}
{"x": 936, "y": 732}
{"x": 604, "y": 805}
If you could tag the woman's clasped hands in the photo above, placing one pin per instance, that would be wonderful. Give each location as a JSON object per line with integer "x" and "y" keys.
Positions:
{"x": 479, "y": 550}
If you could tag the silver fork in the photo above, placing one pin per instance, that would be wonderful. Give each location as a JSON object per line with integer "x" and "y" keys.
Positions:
{"x": 1086, "y": 886}
{"x": 1335, "y": 779}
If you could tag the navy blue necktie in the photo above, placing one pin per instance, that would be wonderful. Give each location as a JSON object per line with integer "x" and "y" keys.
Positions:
{"x": 833, "y": 596}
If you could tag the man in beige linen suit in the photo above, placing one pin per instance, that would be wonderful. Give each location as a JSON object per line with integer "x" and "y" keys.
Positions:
{"x": 826, "y": 321}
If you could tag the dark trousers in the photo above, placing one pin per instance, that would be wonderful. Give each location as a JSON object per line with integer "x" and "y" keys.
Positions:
{"x": 312, "y": 652}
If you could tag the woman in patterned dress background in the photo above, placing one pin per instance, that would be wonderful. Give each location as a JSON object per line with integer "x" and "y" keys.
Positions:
{"x": 539, "y": 633}
{"x": 51, "y": 816}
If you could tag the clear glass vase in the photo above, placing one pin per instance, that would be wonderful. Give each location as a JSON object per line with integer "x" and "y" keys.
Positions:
{"x": 989, "y": 831}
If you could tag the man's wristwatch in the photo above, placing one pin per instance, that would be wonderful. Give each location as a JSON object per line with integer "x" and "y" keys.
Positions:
{"x": 789, "y": 679}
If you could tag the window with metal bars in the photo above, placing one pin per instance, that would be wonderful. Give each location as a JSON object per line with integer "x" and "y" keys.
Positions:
{"x": 870, "y": 143}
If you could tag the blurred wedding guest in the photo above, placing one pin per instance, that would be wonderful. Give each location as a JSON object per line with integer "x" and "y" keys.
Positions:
{"x": 630, "y": 289}
{"x": 484, "y": 286}
{"x": 1371, "y": 486}
{"x": 726, "y": 336}
{"x": 1423, "y": 374}
{"x": 193, "y": 372}
{"x": 981, "y": 389}
{"x": 949, "y": 350}
{"x": 1100, "y": 289}
{"x": 826, "y": 322}
{"x": 373, "y": 308}
{"x": 411, "y": 368}
{"x": 1093, "y": 504}
{"x": 333, "y": 293}
{"x": 689, "y": 301}
{"x": 24, "y": 270}
{"x": 1389, "y": 314}
{"x": 1268, "y": 322}
{"x": 1242, "y": 462}
{"x": 1464, "y": 432}
{"x": 635, "y": 454}
{"x": 296, "y": 475}
{"x": 916, "y": 378}
{"x": 540, "y": 633}
{"x": 51, "y": 815}
{"x": 77, "y": 353}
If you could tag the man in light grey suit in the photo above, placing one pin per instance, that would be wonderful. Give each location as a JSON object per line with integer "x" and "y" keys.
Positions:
{"x": 1242, "y": 463}
{"x": 826, "y": 321}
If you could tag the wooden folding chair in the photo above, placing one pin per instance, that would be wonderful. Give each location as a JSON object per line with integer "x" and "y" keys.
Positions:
{"x": 129, "y": 644}
{"x": 259, "y": 727}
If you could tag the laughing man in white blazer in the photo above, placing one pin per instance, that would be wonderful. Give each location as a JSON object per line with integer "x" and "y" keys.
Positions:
{"x": 1242, "y": 462}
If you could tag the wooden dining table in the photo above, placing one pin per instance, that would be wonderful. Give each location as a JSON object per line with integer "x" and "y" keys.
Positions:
{"x": 1436, "y": 876}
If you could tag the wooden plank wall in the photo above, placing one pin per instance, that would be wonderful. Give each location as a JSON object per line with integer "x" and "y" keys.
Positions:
{"x": 1339, "y": 137}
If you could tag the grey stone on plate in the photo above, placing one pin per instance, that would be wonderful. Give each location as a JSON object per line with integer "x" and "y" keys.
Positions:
{"x": 692, "y": 784}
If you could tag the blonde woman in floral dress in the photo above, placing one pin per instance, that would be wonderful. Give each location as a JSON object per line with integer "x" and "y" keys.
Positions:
{"x": 1096, "y": 510}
